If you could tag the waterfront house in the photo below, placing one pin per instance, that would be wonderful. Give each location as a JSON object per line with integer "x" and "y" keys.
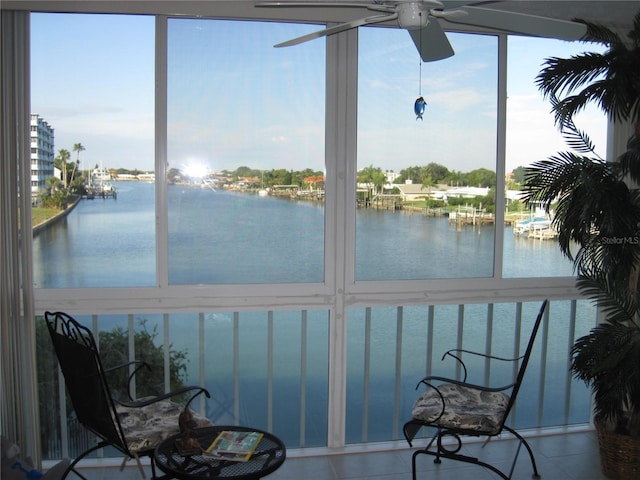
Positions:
{"x": 344, "y": 300}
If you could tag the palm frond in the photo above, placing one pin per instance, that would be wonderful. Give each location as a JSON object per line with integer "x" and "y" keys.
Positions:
{"x": 634, "y": 34}
{"x": 597, "y": 33}
{"x": 576, "y": 139}
{"x": 629, "y": 162}
{"x": 606, "y": 292}
{"x": 564, "y": 75}
{"x": 595, "y": 209}
{"x": 610, "y": 79}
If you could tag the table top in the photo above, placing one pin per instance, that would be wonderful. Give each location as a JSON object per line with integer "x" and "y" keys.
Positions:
{"x": 268, "y": 456}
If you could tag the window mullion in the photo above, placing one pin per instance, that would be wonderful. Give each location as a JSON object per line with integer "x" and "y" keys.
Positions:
{"x": 342, "y": 64}
{"x": 498, "y": 256}
{"x": 161, "y": 206}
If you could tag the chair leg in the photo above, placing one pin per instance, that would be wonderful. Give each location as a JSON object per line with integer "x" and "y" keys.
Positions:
{"x": 424, "y": 450}
{"x": 72, "y": 465}
{"x": 526, "y": 444}
{"x": 137, "y": 459}
{"x": 441, "y": 451}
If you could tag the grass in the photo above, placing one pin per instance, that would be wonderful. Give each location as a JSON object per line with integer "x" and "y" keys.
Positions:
{"x": 42, "y": 214}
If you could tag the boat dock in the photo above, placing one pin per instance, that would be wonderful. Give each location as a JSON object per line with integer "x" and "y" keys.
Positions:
{"x": 471, "y": 216}
{"x": 104, "y": 191}
{"x": 538, "y": 227}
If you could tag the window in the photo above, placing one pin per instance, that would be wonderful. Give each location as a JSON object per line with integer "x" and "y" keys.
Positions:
{"x": 426, "y": 187}
{"x": 92, "y": 79}
{"x": 246, "y": 154}
{"x": 530, "y": 249}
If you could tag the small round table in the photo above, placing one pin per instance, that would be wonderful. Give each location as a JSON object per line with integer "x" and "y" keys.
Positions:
{"x": 268, "y": 456}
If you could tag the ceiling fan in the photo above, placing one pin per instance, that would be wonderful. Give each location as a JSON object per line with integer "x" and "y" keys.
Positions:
{"x": 421, "y": 19}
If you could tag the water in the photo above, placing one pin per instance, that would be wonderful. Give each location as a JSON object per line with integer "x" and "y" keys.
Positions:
{"x": 233, "y": 238}
{"x": 220, "y": 237}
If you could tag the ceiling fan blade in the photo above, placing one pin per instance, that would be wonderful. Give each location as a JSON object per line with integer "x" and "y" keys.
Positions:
{"x": 338, "y": 28}
{"x": 312, "y": 4}
{"x": 522, "y": 23}
{"x": 431, "y": 41}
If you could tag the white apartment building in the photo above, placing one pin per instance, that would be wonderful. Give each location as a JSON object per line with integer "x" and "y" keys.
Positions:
{"x": 42, "y": 154}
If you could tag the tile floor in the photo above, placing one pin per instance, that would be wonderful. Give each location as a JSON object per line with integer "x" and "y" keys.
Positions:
{"x": 567, "y": 456}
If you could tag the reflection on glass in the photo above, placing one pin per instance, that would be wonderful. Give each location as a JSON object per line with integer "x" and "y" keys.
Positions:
{"x": 246, "y": 154}
{"x": 426, "y": 186}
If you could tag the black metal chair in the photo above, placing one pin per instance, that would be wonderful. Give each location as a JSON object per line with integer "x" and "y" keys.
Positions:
{"x": 459, "y": 409}
{"x": 133, "y": 427}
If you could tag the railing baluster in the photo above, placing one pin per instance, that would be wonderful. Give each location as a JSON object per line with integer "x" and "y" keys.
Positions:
{"x": 430, "y": 322}
{"x": 202, "y": 379}
{"x": 567, "y": 380}
{"x": 398, "y": 374}
{"x": 303, "y": 377}
{"x": 488, "y": 338}
{"x": 166, "y": 356}
{"x": 543, "y": 363}
{"x": 366, "y": 375}
{"x": 460, "y": 337}
{"x": 236, "y": 367}
{"x": 132, "y": 352}
{"x": 270, "y": 370}
{"x": 516, "y": 353}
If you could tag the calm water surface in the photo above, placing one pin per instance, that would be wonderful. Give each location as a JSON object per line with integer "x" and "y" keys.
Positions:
{"x": 227, "y": 238}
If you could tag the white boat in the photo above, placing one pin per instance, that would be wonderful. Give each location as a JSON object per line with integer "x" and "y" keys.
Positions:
{"x": 100, "y": 175}
{"x": 532, "y": 224}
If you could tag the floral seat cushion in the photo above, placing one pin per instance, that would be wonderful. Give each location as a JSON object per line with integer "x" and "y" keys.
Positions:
{"x": 145, "y": 427}
{"x": 465, "y": 407}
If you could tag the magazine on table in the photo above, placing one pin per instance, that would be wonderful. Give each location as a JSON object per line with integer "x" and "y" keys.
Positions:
{"x": 233, "y": 445}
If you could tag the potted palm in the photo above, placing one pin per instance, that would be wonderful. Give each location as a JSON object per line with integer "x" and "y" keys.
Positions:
{"x": 597, "y": 217}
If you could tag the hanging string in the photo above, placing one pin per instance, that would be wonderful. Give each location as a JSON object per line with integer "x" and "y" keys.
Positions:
{"x": 420, "y": 80}
{"x": 420, "y": 60}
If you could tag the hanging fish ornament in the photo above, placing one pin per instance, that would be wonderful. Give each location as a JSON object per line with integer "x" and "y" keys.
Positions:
{"x": 419, "y": 107}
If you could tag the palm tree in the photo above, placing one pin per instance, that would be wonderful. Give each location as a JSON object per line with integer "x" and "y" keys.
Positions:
{"x": 61, "y": 162}
{"x": 598, "y": 217}
{"x": 53, "y": 183}
{"x": 77, "y": 147}
{"x": 427, "y": 183}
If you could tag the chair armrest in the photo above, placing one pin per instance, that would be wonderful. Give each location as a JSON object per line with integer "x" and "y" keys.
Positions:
{"x": 456, "y": 353}
{"x": 149, "y": 400}
{"x": 140, "y": 364}
{"x": 134, "y": 362}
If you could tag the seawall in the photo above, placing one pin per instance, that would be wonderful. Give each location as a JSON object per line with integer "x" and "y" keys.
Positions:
{"x": 36, "y": 229}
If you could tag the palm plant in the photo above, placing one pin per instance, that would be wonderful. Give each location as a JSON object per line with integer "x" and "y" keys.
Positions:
{"x": 597, "y": 216}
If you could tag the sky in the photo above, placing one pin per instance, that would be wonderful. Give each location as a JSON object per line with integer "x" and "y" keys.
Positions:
{"x": 234, "y": 100}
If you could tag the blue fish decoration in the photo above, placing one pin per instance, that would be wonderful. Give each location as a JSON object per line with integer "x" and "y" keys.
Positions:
{"x": 419, "y": 107}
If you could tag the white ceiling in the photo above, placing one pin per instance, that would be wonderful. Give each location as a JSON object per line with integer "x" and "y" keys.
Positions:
{"x": 612, "y": 13}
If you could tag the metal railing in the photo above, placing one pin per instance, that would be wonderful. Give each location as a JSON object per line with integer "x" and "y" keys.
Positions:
{"x": 269, "y": 369}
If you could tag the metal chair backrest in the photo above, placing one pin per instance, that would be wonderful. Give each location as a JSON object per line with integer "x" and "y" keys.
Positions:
{"x": 525, "y": 359}
{"x": 85, "y": 379}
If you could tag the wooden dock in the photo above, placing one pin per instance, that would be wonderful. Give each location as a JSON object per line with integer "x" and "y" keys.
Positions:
{"x": 471, "y": 217}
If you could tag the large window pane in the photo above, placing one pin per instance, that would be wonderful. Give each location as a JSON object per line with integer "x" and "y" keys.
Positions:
{"x": 246, "y": 154}
{"x": 92, "y": 79}
{"x": 531, "y": 249}
{"x": 414, "y": 175}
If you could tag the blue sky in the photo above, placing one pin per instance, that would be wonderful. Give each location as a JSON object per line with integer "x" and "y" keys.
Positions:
{"x": 235, "y": 100}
